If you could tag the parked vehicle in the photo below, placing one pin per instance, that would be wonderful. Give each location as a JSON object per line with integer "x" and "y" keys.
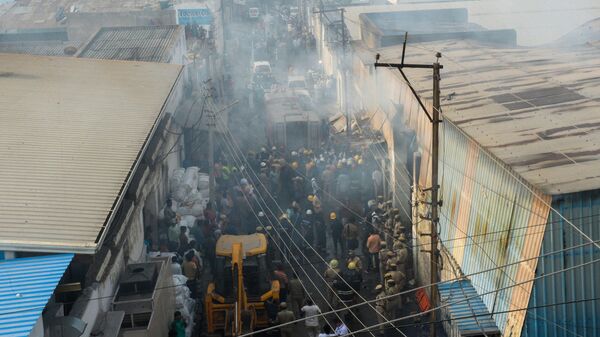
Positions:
{"x": 297, "y": 82}
{"x": 263, "y": 67}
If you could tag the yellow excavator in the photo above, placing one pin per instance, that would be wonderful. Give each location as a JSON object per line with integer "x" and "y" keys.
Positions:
{"x": 235, "y": 299}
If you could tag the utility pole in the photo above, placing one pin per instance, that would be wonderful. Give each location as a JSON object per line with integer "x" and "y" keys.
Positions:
{"x": 211, "y": 154}
{"x": 434, "y": 118}
{"x": 345, "y": 79}
{"x": 434, "y": 191}
{"x": 344, "y": 67}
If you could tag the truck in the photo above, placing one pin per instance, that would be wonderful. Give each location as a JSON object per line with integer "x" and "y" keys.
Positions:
{"x": 292, "y": 121}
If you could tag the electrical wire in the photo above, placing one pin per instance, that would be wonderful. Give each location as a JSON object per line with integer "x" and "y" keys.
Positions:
{"x": 476, "y": 243}
{"x": 496, "y": 268}
{"x": 478, "y": 295}
{"x": 509, "y": 171}
{"x": 299, "y": 249}
{"x": 456, "y": 275}
{"x": 310, "y": 246}
{"x": 509, "y": 311}
{"x": 234, "y": 155}
{"x": 518, "y": 180}
{"x": 462, "y": 278}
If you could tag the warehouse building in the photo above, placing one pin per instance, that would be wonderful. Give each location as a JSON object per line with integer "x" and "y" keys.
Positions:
{"x": 513, "y": 210}
{"x": 84, "y": 176}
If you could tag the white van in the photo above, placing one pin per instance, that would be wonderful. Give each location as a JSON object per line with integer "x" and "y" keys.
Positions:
{"x": 296, "y": 82}
{"x": 261, "y": 67}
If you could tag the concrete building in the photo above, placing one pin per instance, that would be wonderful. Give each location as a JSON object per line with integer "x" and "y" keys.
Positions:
{"x": 86, "y": 154}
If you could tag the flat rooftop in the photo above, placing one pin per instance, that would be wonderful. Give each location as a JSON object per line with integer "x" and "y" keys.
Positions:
{"x": 536, "y": 22}
{"x": 536, "y": 109}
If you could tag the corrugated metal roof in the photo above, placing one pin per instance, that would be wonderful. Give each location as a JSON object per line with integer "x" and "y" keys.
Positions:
{"x": 72, "y": 133}
{"x": 144, "y": 43}
{"x": 466, "y": 309}
{"x": 25, "y": 286}
{"x": 48, "y": 48}
{"x": 537, "y": 109}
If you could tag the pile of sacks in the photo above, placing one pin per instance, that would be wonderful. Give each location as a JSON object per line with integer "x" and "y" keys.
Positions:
{"x": 189, "y": 189}
{"x": 184, "y": 302}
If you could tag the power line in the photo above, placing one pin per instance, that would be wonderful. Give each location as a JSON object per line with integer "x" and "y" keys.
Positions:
{"x": 234, "y": 154}
{"x": 475, "y": 296}
{"x": 310, "y": 246}
{"x": 517, "y": 178}
{"x": 398, "y": 294}
{"x": 457, "y": 279}
{"x": 509, "y": 311}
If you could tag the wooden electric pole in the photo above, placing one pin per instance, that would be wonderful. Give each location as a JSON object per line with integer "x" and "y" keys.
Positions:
{"x": 435, "y": 142}
{"x": 211, "y": 154}
{"x": 435, "y": 120}
{"x": 344, "y": 67}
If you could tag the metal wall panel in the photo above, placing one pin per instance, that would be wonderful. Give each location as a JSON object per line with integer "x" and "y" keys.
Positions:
{"x": 490, "y": 215}
{"x": 574, "y": 319}
{"x": 26, "y": 285}
{"x": 489, "y": 218}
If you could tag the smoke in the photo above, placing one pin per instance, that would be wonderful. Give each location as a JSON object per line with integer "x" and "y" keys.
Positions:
{"x": 537, "y": 22}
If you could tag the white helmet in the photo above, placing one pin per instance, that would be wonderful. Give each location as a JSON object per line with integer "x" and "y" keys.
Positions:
{"x": 308, "y": 212}
{"x": 261, "y": 214}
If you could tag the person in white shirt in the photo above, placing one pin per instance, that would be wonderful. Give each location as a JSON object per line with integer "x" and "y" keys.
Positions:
{"x": 310, "y": 311}
{"x": 175, "y": 266}
{"x": 340, "y": 328}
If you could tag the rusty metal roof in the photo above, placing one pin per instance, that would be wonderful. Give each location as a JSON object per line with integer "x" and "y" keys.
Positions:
{"x": 142, "y": 43}
{"x": 536, "y": 109}
{"x": 73, "y": 131}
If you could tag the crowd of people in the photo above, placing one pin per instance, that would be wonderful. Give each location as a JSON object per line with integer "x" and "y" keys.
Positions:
{"x": 326, "y": 200}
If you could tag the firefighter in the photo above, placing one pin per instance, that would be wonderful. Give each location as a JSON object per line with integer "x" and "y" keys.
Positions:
{"x": 352, "y": 258}
{"x": 380, "y": 306}
{"x": 394, "y": 300}
{"x": 398, "y": 276}
{"x": 331, "y": 275}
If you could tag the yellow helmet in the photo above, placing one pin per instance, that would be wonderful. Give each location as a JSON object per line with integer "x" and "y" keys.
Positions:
{"x": 332, "y": 216}
{"x": 311, "y": 197}
{"x": 360, "y": 161}
{"x": 295, "y": 165}
{"x": 333, "y": 263}
{"x": 352, "y": 266}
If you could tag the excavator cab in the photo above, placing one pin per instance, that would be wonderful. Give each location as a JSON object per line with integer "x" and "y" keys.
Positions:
{"x": 235, "y": 299}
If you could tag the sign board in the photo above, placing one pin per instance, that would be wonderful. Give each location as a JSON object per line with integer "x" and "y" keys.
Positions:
{"x": 253, "y": 12}
{"x": 194, "y": 16}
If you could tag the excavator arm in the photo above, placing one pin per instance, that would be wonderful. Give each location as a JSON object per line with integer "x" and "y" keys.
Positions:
{"x": 241, "y": 299}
